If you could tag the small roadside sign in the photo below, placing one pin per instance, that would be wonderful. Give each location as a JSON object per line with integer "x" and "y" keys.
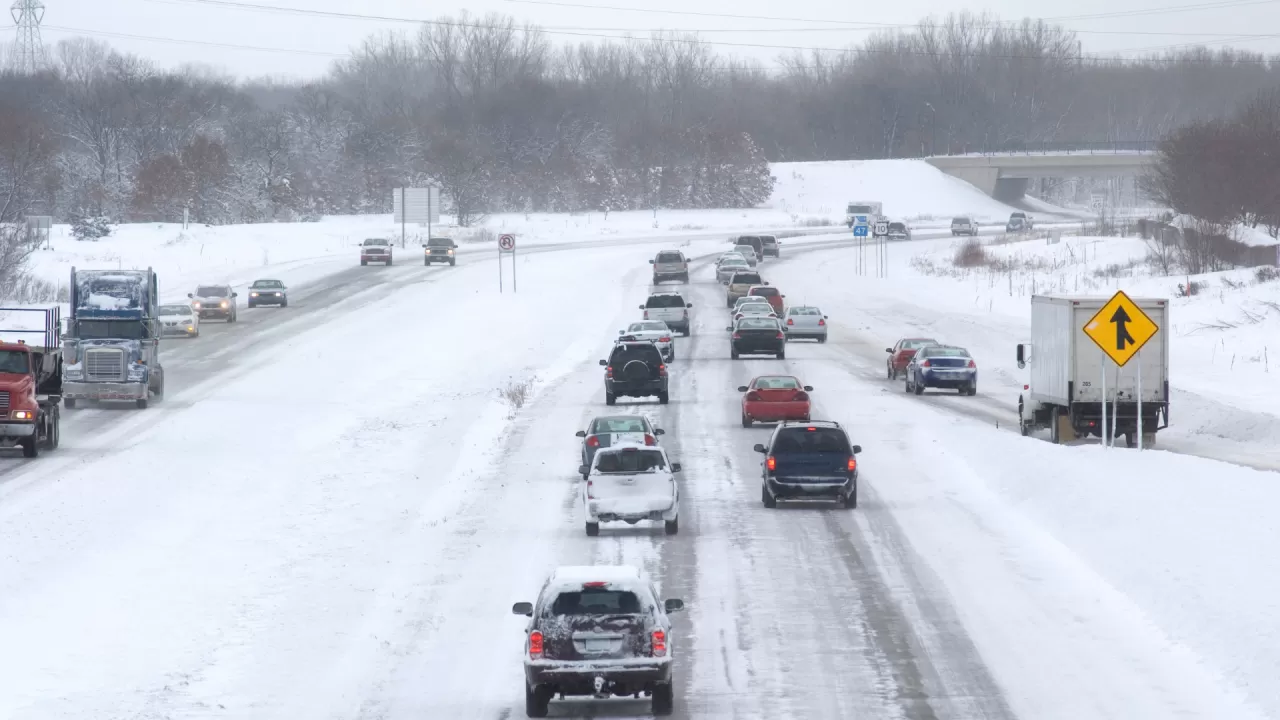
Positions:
{"x": 507, "y": 243}
{"x": 1121, "y": 328}
{"x": 882, "y": 228}
{"x": 861, "y": 230}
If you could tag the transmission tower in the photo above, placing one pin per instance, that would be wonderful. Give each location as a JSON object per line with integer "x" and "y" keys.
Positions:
{"x": 28, "y": 49}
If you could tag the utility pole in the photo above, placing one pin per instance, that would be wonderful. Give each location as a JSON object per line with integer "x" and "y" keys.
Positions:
{"x": 28, "y": 48}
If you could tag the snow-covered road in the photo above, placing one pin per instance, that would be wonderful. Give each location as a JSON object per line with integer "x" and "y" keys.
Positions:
{"x": 333, "y": 510}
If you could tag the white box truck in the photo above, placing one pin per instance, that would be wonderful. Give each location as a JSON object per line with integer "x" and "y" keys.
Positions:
{"x": 1065, "y": 383}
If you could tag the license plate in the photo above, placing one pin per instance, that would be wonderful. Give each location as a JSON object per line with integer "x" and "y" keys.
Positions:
{"x": 598, "y": 645}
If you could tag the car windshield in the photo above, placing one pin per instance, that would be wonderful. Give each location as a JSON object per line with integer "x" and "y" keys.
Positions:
{"x": 744, "y": 249}
{"x": 755, "y": 309}
{"x": 14, "y": 361}
{"x": 747, "y": 279}
{"x": 944, "y": 352}
{"x": 811, "y": 440}
{"x": 916, "y": 344}
{"x": 669, "y": 258}
{"x": 375, "y": 242}
{"x": 596, "y": 601}
{"x": 859, "y": 209}
{"x": 897, "y": 226}
{"x": 734, "y": 264}
{"x": 960, "y": 221}
{"x": 764, "y": 292}
{"x": 175, "y": 310}
{"x": 777, "y": 383}
{"x": 630, "y": 460}
{"x": 273, "y": 284}
{"x": 647, "y": 327}
{"x": 804, "y": 311}
{"x": 665, "y": 301}
{"x": 618, "y": 425}
{"x": 757, "y": 323}
{"x": 213, "y": 291}
{"x": 439, "y": 242}
{"x": 769, "y": 240}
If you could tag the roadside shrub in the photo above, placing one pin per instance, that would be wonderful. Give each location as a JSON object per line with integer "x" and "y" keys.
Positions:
{"x": 516, "y": 393}
{"x": 970, "y": 254}
{"x": 1266, "y": 273}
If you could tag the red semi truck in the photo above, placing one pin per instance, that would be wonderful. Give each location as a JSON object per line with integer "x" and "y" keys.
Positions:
{"x": 30, "y": 378}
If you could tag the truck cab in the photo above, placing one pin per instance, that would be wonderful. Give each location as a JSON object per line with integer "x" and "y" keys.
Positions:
{"x": 112, "y": 347}
{"x": 863, "y": 213}
{"x": 30, "y": 379}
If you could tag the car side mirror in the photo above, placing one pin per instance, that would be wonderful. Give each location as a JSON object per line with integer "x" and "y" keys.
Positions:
{"x": 824, "y": 317}
{"x": 584, "y": 470}
{"x": 857, "y": 449}
{"x": 522, "y": 608}
{"x": 808, "y": 388}
{"x": 604, "y": 362}
{"x": 235, "y": 294}
{"x": 889, "y": 350}
{"x": 742, "y": 388}
{"x": 760, "y": 448}
{"x": 729, "y": 328}
{"x": 1022, "y": 356}
{"x": 650, "y": 262}
{"x": 675, "y": 467}
{"x": 688, "y": 305}
{"x": 621, "y": 332}
{"x": 580, "y": 433}
{"x": 659, "y": 431}
{"x": 724, "y": 282}
{"x": 673, "y": 605}
{"x": 191, "y": 295}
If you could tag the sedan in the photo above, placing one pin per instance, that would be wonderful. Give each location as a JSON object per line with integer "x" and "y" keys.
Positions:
{"x": 614, "y": 430}
{"x": 754, "y": 310}
{"x": 726, "y": 270}
{"x": 900, "y": 355}
{"x": 749, "y": 253}
{"x": 268, "y": 292}
{"x": 656, "y": 332}
{"x": 942, "y": 366}
{"x": 757, "y": 336}
{"x": 805, "y": 321}
{"x": 775, "y": 398}
{"x": 179, "y": 320}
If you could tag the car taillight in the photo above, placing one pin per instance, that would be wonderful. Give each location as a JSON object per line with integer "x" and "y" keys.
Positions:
{"x": 646, "y": 314}
{"x": 590, "y": 494}
{"x": 771, "y": 463}
{"x": 659, "y": 643}
{"x": 781, "y": 336}
{"x": 972, "y": 364}
{"x": 924, "y": 364}
{"x": 608, "y": 371}
{"x": 821, "y": 322}
{"x": 753, "y": 395}
{"x": 662, "y": 369}
{"x": 535, "y": 644}
{"x": 802, "y": 396}
{"x": 737, "y": 336}
{"x": 593, "y": 441}
{"x": 664, "y": 339}
{"x": 853, "y": 463}
{"x": 650, "y": 440}
{"x": 790, "y": 321}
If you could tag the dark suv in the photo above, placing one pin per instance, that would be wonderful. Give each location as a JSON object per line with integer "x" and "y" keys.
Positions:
{"x": 634, "y": 369}
{"x": 440, "y": 250}
{"x": 809, "y": 460}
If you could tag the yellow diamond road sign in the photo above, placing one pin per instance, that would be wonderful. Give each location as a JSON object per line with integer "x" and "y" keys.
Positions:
{"x": 1121, "y": 328}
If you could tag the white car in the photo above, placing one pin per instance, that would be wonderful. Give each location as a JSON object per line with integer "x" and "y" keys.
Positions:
{"x": 655, "y": 331}
{"x": 629, "y": 483}
{"x": 726, "y": 270}
{"x": 754, "y": 309}
{"x": 179, "y": 319}
{"x": 805, "y": 321}
{"x": 748, "y": 253}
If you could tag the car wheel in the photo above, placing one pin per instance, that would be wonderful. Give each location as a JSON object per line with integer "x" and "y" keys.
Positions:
{"x": 973, "y": 390}
{"x": 452, "y": 263}
{"x": 782, "y": 355}
{"x": 69, "y": 403}
{"x": 766, "y": 499}
{"x": 918, "y": 388}
{"x": 851, "y": 500}
{"x": 426, "y": 262}
{"x": 671, "y": 527}
{"x": 610, "y": 398}
{"x": 284, "y": 303}
{"x": 664, "y": 397}
{"x": 593, "y": 529}
{"x": 888, "y": 372}
{"x": 733, "y": 354}
{"x": 142, "y": 403}
{"x": 537, "y": 701}
{"x": 389, "y": 262}
{"x": 906, "y": 386}
{"x": 746, "y": 420}
{"x": 664, "y": 701}
{"x": 30, "y": 447}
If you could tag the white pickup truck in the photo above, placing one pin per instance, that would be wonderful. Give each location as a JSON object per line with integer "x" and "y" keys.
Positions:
{"x": 629, "y": 483}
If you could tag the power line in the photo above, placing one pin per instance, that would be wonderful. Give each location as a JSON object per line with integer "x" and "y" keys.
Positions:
{"x": 206, "y": 43}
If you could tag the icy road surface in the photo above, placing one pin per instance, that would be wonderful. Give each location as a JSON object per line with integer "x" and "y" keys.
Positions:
{"x": 331, "y": 513}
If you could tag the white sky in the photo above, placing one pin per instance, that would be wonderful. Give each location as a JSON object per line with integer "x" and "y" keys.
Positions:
{"x": 173, "y": 32}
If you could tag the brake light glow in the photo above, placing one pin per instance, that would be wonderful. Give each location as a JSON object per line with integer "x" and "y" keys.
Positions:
{"x": 802, "y": 396}
{"x": 853, "y": 463}
{"x": 771, "y": 462}
{"x": 737, "y": 336}
{"x": 535, "y": 644}
{"x": 650, "y": 440}
{"x": 790, "y": 321}
{"x": 664, "y": 339}
{"x": 608, "y": 371}
{"x": 925, "y": 364}
{"x": 780, "y": 335}
{"x": 821, "y": 322}
{"x": 590, "y": 495}
{"x": 595, "y": 584}
{"x": 972, "y": 364}
{"x": 659, "y": 643}
{"x": 662, "y": 369}
{"x": 593, "y": 441}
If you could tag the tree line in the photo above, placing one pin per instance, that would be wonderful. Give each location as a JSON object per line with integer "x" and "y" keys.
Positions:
{"x": 504, "y": 120}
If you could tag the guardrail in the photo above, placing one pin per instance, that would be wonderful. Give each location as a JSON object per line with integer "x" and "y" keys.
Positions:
{"x": 1116, "y": 147}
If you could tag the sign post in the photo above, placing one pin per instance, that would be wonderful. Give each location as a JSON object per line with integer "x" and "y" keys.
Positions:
{"x": 881, "y": 233}
{"x": 860, "y": 232}
{"x": 1120, "y": 328}
{"x": 507, "y": 246}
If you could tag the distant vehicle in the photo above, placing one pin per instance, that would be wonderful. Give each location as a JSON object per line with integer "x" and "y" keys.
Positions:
{"x": 670, "y": 265}
{"x": 635, "y": 369}
{"x": 754, "y": 309}
{"x": 439, "y": 249}
{"x": 598, "y": 631}
{"x": 31, "y": 381}
{"x": 748, "y": 253}
{"x": 731, "y": 255}
{"x": 376, "y": 250}
{"x": 863, "y": 213}
{"x": 740, "y": 283}
{"x": 629, "y": 483}
{"x": 944, "y": 367}
{"x": 111, "y": 349}
{"x": 215, "y": 301}
{"x": 772, "y": 248}
{"x": 656, "y": 332}
{"x": 757, "y": 336}
{"x": 900, "y": 354}
{"x": 614, "y": 430}
{"x": 805, "y": 321}
{"x": 775, "y": 398}
{"x": 726, "y": 269}
{"x": 963, "y": 226}
{"x": 1018, "y": 222}
{"x": 810, "y": 460}
{"x": 755, "y": 242}
{"x": 268, "y": 292}
{"x": 1064, "y": 392}
{"x": 749, "y": 299}
{"x": 670, "y": 308}
{"x": 771, "y": 294}
{"x": 179, "y": 320}
{"x": 899, "y": 231}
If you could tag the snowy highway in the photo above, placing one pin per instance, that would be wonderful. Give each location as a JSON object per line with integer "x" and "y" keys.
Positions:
{"x": 333, "y": 509}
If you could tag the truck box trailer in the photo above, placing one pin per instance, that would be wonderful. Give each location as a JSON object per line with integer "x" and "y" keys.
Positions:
{"x": 1064, "y": 391}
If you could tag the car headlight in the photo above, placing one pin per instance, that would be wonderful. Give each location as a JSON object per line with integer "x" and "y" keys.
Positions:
{"x": 196, "y": 305}
{"x": 22, "y": 415}
{"x": 224, "y": 303}
{"x": 450, "y": 252}
{"x": 253, "y": 294}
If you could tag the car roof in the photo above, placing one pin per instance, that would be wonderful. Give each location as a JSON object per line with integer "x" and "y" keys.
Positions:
{"x": 599, "y": 418}
{"x": 925, "y": 339}
{"x": 812, "y": 423}
{"x": 664, "y": 293}
{"x": 637, "y": 343}
{"x": 775, "y": 375}
{"x": 596, "y": 573}
{"x": 255, "y": 282}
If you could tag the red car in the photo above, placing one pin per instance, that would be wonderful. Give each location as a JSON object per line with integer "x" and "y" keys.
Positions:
{"x": 900, "y": 355}
{"x": 774, "y": 398}
{"x": 770, "y": 294}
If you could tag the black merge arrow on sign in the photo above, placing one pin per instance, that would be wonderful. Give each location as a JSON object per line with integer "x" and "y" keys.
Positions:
{"x": 1120, "y": 319}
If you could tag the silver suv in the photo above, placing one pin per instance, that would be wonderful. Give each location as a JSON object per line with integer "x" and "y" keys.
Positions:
{"x": 964, "y": 225}
{"x": 670, "y": 265}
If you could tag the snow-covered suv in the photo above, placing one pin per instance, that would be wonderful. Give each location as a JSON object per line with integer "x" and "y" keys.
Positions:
{"x": 629, "y": 483}
{"x": 597, "y": 631}
{"x": 670, "y": 265}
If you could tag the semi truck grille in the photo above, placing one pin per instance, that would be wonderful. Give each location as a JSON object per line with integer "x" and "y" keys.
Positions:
{"x": 104, "y": 364}
{"x": 4, "y": 401}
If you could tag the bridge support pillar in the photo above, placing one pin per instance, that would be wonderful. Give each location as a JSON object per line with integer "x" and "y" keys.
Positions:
{"x": 983, "y": 178}
{"x": 1008, "y": 190}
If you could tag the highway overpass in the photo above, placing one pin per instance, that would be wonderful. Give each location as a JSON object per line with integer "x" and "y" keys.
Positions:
{"x": 1004, "y": 175}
